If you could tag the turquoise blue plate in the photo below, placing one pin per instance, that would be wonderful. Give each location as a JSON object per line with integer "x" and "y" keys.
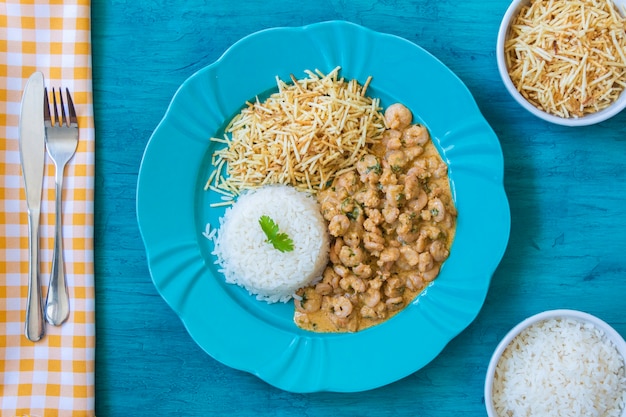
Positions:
{"x": 243, "y": 333}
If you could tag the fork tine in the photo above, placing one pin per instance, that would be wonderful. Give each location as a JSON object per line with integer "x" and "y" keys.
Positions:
{"x": 70, "y": 108}
{"x": 56, "y": 111}
{"x": 46, "y": 108}
{"x": 64, "y": 120}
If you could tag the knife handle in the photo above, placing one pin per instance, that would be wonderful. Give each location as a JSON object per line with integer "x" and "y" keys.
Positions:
{"x": 34, "y": 326}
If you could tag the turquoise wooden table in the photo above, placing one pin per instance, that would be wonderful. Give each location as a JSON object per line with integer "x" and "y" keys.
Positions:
{"x": 566, "y": 188}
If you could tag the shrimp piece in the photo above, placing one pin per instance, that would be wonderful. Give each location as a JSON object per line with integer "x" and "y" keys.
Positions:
{"x": 395, "y": 303}
{"x": 402, "y": 265}
{"x": 374, "y": 215}
{"x": 437, "y": 167}
{"x": 441, "y": 171}
{"x": 369, "y": 198}
{"x": 406, "y": 229}
{"x": 352, "y": 282}
{"x": 378, "y": 311}
{"x": 330, "y": 278}
{"x": 352, "y": 238}
{"x": 370, "y": 225}
{"x": 448, "y": 222}
{"x": 347, "y": 181}
{"x": 392, "y": 139}
{"x": 416, "y": 205}
{"x": 422, "y": 242}
{"x": 376, "y": 283}
{"x": 339, "y": 225}
{"x": 418, "y": 169}
{"x": 341, "y": 306}
{"x": 325, "y": 195}
{"x": 351, "y": 257}
{"x": 373, "y": 242}
{"x": 431, "y": 274}
{"x": 394, "y": 286}
{"x": 323, "y": 288}
{"x": 368, "y": 312}
{"x": 439, "y": 251}
{"x": 341, "y": 270}
{"x": 413, "y": 152}
{"x": 394, "y": 195}
{"x": 362, "y": 271}
{"x": 334, "y": 251}
{"x": 390, "y": 213}
{"x": 371, "y": 297}
{"x": 388, "y": 177}
{"x": 397, "y": 160}
{"x": 426, "y": 235}
{"x": 397, "y": 116}
{"x": 408, "y": 237}
{"x": 405, "y": 224}
{"x": 437, "y": 209}
{"x": 410, "y": 255}
{"x": 310, "y": 301}
{"x": 414, "y": 281}
{"x": 431, "y": 232}
{"x": 426, "y": 262}
{"x": 384, "y": 268}
{"x": 347, "y": 206}
{"x": 415, "y": 135}
{"x": 329, "y": 209}
{"x": 389, "y": 255}
{"x": 369, "y": 168}
{"x": 412, "y": 187}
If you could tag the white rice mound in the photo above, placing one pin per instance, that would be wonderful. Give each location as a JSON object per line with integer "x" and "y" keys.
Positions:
{"x": 560, "y": 367}
{"x": 246, "y": 259}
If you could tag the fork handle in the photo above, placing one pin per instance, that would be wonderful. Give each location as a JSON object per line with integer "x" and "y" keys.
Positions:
{"x": 58, "y": 300}
{"x": 34, "y": 325}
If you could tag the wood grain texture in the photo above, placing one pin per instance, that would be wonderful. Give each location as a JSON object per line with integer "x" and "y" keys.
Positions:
{"x": 567, "y": 191}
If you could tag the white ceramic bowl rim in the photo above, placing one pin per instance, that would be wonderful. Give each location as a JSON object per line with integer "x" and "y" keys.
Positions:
{"x": 586, "y": 120}
{"x": 609, "y": 331}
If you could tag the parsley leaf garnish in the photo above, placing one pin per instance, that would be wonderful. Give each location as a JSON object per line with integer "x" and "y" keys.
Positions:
{"x": 280, "y": 241}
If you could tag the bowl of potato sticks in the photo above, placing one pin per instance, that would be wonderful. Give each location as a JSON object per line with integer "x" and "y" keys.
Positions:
{"x": 565, "y": 61}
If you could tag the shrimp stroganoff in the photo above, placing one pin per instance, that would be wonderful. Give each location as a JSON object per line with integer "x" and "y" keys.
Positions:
{"x": 392, "y": 222}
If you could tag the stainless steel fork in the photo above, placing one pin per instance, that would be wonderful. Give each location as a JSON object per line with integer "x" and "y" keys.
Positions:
{"x": 61, "y": 142}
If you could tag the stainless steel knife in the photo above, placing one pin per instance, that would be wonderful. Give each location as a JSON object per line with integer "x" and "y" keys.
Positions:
{"x": 32, "y": 157}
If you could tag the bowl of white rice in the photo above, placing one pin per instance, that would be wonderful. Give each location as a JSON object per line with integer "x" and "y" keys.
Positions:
{"x": 558, "y": 363}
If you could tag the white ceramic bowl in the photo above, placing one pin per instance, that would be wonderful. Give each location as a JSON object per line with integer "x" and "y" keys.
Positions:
{"x": 586, "y": 120}
{"x": 580, "y": 316}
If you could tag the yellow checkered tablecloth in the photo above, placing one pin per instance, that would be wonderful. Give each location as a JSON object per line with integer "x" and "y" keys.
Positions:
{"x": 55, "y": 376}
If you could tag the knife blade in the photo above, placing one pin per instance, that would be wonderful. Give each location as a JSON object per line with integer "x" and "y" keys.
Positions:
{"x": 32, "y": 158}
